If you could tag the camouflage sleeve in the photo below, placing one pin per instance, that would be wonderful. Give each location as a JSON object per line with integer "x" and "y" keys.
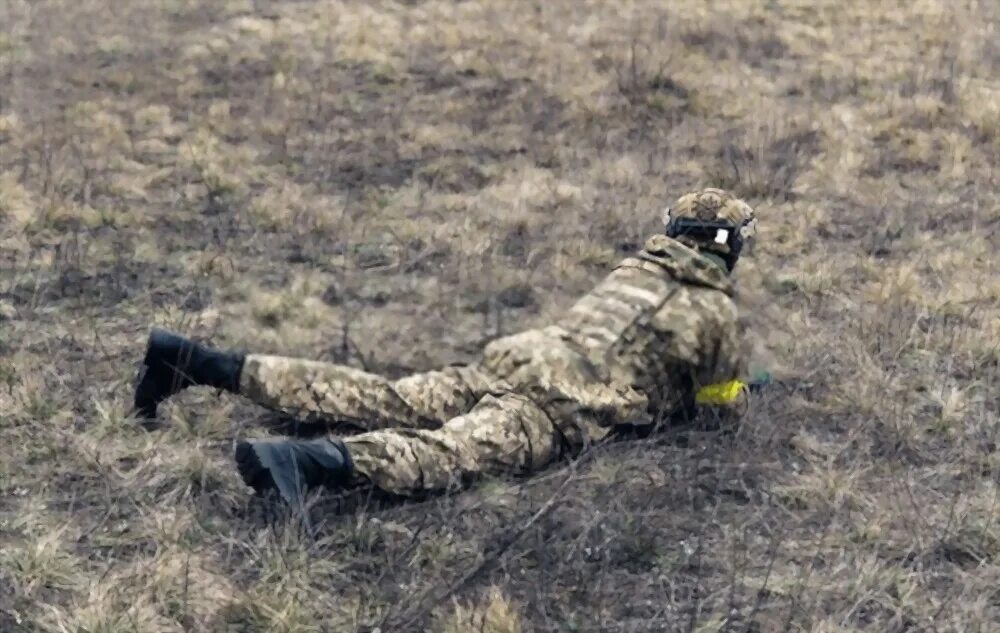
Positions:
{"x": 705, "y": 334}
{"x": 730, "y": 362}
{"x": 724, "y": 375}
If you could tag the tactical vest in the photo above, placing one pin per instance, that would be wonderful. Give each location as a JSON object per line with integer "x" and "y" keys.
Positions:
{"x": 643, "y": 325}
{"x": 625, "y": 350}
{"x": 623, "y": 301}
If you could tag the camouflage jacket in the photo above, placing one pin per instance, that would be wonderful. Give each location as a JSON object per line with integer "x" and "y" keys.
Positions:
{"x": 634, "y": 350}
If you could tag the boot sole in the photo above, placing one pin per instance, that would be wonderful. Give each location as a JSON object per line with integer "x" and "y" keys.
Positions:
{"x": 147, "y": 397}
{"x": 251, "y": 469}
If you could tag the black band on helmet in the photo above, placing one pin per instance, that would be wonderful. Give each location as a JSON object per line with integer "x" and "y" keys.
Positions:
{"x": 707, "y": 232}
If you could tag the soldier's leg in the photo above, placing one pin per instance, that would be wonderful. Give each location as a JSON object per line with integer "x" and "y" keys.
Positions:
{"x": 310, "y": 390}
{"x": 505, "y": 434}
{"x": 328, "y": 393}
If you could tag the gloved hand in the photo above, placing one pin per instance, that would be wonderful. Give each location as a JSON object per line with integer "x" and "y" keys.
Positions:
{"x": 728, "y": 393}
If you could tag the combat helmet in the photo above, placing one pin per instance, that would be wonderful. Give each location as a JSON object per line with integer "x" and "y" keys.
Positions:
{"x": 712, "y": 220}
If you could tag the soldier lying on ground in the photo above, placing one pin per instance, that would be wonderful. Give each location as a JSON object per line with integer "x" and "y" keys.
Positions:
{"x": 659, "y": 333}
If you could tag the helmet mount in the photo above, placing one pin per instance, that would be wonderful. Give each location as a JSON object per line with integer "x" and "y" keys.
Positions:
{"x": 722, "y": 237}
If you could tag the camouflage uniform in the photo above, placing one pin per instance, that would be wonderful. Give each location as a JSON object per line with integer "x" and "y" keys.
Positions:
{"x": 630, "y": 352}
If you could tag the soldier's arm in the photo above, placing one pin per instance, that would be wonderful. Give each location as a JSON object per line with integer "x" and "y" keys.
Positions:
{"x": 728, "y": 376}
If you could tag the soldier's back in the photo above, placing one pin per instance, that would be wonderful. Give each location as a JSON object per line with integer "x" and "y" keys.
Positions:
{"x": 631, "y": 348}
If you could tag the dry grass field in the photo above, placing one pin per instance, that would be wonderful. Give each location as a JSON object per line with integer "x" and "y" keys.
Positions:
{"x": 391, "y": 184}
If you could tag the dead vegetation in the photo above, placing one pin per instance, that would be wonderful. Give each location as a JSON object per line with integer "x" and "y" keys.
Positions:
{"x": 391, "y": 184}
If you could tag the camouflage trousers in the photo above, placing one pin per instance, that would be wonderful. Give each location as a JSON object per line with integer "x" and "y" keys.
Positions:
{"x": 427, "y": 432}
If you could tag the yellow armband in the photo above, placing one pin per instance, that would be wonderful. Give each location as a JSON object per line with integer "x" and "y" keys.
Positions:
{"x": 721, "y": 393}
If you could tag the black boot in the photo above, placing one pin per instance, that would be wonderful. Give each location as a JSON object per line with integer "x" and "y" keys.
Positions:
{"x": 174, "y": 363}
{"x": 292, "y": 467}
